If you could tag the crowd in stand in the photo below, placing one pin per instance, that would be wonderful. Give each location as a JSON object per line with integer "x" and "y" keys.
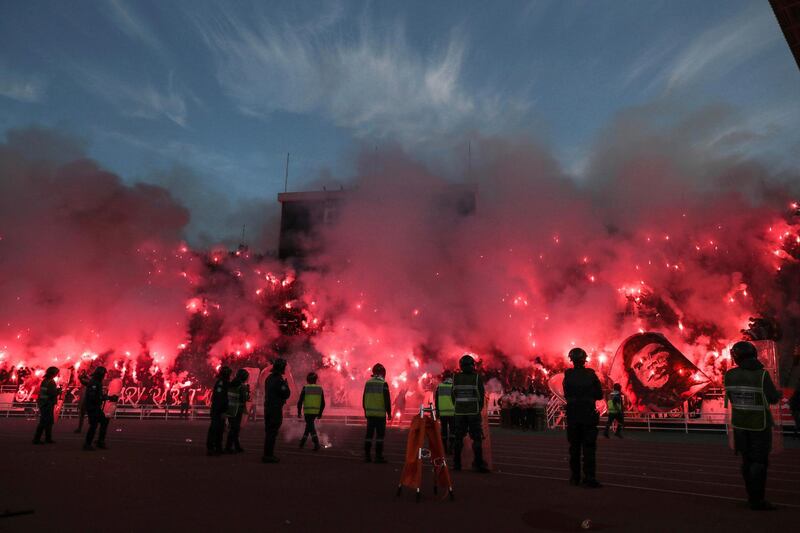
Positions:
{"x": 524, "y": 410}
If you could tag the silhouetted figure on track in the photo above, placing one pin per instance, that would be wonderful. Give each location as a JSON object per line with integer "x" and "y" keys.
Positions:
{"x": 581, "y": 390}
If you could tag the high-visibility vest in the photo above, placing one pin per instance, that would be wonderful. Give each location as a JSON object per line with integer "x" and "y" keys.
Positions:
{"x": 374, "y": 403}
{"x": 236, "y": 398}
{"x": 614, "y": 403}
{"x": 234, "y": 401}
{"x": 744, "y": 389}
{"x": 444, "y": 395}
{"x": 312, "y": 399}
{"x": 466, "y": 393}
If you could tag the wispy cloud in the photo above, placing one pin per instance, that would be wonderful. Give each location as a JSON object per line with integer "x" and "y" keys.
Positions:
{"x": 136, "y": 99}
{"x": 374, "y": 84}
{"x": 28, "y": 89}
{"x": 721, "y": 48}
{"x": 131, "y": 24}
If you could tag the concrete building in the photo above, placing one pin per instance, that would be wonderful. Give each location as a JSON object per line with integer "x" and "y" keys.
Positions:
{"x": 304, "y": 214}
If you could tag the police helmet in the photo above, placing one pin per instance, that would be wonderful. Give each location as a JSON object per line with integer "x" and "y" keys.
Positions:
{"x": 577, "y": 355}
{"x": 311, "y": 377}
{"x": 466, "y": 363}
{"x": 279, "y": 366}
{"x": 743, "y": 350}
{"x": 379, "y": 370}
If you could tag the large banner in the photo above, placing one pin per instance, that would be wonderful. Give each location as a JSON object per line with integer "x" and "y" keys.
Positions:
{"x": 654, "y": 374}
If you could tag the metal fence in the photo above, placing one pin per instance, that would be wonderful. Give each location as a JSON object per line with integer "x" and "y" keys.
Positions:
{"x": 348, "y": 417}
{"x": 685, "y": 421}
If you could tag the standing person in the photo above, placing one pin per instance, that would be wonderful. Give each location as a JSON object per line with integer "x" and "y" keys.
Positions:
{"x": 276, "y": 392}
{"x": 400, "y": 403}
{"x": 95, "y": 398}
{"x": 530, "y": 404}
{"x": 312, "y": 404}
{"x": 616, "y": 411}
{"x": 48, "y": 396}
{"x": 445, "y": 410}
{"x": 83, "y": 378}
{"x": 468, "y": 397}
{"x": 749, "y": 389}
{"x": 219, "y": 406}
{"x": 238, "y": 395}
{"x": 794, "y": 406}
{"x": 377, "y": 405}
{"x": 185, "y": 398}
{"x": 582, "y": 389}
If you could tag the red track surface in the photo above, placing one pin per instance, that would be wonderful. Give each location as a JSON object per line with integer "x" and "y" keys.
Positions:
{"x": 152, "y": 479}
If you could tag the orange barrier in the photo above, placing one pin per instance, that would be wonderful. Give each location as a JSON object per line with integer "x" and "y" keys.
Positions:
{"x": 411, "y": 477}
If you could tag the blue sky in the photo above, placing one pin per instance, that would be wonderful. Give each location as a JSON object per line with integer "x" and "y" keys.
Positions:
{"x": 224, "y": 90}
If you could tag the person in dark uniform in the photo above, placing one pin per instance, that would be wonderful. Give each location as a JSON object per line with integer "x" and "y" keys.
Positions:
{"x": 468, "y": 397}
{"x": 185, "y": 398}
{"x": 377, "y": 404}
{"x": 219, "y": 406}
{"x": 48, "y": 397}
{"x": 750, "y": 391}
{"x": 445, "y": 410}
{"x": 238, "y": 395}
{"x": 312, "y": 404}
{"x": 276, "y": 392}
{"x": 581, "y": 390}
{"x": 84, "y": 381}
{"x": 95, "y": 398}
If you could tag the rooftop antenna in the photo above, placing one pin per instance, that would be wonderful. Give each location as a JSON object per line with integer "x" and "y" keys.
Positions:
{"x": 286, "y": 175}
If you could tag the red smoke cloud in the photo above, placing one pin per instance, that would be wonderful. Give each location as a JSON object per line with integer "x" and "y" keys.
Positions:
{"x": 90, "y": 265}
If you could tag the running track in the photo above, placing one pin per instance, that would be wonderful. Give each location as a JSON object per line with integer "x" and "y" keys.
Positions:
{"x": 157, "y": 477}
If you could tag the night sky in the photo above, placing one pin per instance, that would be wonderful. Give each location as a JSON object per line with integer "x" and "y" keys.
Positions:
{"x": 157, "y": 91}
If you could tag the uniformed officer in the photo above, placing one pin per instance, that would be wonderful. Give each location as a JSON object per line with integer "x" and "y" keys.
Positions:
{"x": 750, "y": 391}
{"x": 445, "y": 410}
{"x": 48, "y": 396}
{"x": 312, "y": 404}
{"x": 468, "y": 397}
{"x": 84, "y": 380}
{"x": 219, "y": 406}
{"x": 95, "y": 398}
{"x": 276, "y": 392}
{"x": 238, "y": 395}
{"x": 377, "y": 405}
{"x": 582, "y": 389}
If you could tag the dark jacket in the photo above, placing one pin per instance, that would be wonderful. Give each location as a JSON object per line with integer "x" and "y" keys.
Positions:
{"x": 303, "y": 397}
{"x": 94, "y": 396}
{"x": 48, "y": 394}
{"x": 276, "y": 392}
{"x": 772, "y": 394}
{"x": 481, "y": 390}
{"x": 219, "y": 397}
{"x": 581, "y": 390}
